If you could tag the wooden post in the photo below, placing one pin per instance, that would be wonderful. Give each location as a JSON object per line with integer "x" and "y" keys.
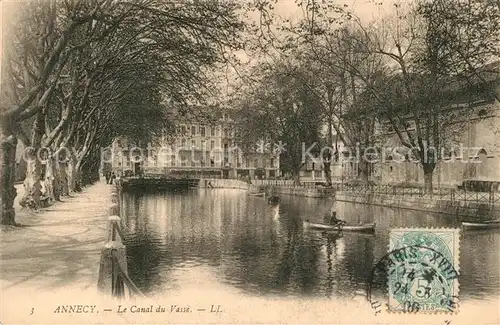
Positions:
{"x": 114, "y": 209}
{"x": 114, "y": 197}
{"x": 113, "y": 258}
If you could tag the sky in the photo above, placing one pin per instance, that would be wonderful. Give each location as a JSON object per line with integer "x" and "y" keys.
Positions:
{"x": 366, "y": 10}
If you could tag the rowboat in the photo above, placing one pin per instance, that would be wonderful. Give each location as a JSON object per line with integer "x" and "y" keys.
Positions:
{"x": 367, "y": 227}
{"x": 491, "y": 224}
{"x": 257, "y": 194}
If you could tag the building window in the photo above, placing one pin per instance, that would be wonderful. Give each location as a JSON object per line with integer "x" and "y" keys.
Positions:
{"x": 193, "y": 143}
{"x": 183, "y": 142}
{"x": 272, "y": 163}
{"x": 212, "y": 145}
{"x": 202, "y": 145}
{"x": 256, "y": 163}
{"x": 183, "y": 129}
{"x": 193, "y": 130}
{"x": 202, "y": 131}
{"x": 212, "y": 131}
{"x": 172, "y": 160}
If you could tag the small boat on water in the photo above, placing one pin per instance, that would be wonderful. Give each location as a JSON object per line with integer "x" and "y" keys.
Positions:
{"x": 491, "y": 224}
{"x": 367, "y": 227}
{"x": 257, "y": 194}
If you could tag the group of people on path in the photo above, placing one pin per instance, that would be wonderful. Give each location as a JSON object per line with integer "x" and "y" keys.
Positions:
{"x": 110, "y": 177}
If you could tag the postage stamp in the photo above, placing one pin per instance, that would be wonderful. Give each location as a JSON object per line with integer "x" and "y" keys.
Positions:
{"x": 422, "y": 269}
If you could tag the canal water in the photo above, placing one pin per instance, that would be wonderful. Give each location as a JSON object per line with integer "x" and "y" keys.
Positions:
{"x": 225, "y": 239}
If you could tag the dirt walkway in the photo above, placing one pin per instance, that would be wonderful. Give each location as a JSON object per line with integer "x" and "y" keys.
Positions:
{"x": 57, "y": 247}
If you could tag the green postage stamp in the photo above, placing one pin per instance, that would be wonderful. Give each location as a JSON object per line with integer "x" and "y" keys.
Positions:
{"x": 423, "y": 269}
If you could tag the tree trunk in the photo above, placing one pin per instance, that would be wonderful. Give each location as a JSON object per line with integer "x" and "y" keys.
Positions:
{"x": 328, "y": 172}
{"x": 71, "y": 174}
{"x": 78, "y": 180}
{"x": 90, "y": 170}
{"x": 78, "y": 175}
{"x": 95, "y": 173}
{"x": 7, "y": 178}
{"x": 364, "y": 171}
{"x": 296, "y": 176}
{"x": 327, "y": 157}
{"x": 52, "y": 180}
{"x": 428, "y": 173}
{"x": 32, "y": 184}
{"x": 62, "y": 168}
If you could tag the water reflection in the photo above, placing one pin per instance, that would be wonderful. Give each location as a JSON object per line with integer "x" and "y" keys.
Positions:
{"x": 243, "y": 244}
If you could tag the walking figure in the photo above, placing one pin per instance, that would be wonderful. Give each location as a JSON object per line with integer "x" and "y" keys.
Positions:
{"x": 113, "y": 177}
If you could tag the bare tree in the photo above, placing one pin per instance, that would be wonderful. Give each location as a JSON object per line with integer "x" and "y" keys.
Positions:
{"x": 97, "y": 64}
{"x": 283, "y": 110}
{"x": 402, "y": 73}
{"x": 34, "y": 58}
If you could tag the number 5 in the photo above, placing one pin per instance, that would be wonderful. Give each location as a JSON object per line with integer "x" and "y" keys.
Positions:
{"x": 423, "y": 289}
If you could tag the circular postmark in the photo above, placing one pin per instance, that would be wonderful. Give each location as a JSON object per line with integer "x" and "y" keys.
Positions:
{"x": 416, "y": 279}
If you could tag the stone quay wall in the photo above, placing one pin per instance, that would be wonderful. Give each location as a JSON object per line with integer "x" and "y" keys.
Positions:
{"x": 466, "y": 211}
{"x": 295, "y": 191}
{"x": 223, "y": 183}
{"x": 304, "y": 191}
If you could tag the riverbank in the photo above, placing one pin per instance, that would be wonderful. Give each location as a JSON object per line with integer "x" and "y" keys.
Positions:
{"x": 312, "y": 192}
{"x": 57, "y": 247}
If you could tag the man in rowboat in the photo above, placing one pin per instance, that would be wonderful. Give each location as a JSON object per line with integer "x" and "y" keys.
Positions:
{"x": 332, "y": 218}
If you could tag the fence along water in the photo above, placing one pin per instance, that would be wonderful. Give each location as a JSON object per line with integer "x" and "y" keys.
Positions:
{"x": 113, "y": 270}
{"x": 470, "y": 191}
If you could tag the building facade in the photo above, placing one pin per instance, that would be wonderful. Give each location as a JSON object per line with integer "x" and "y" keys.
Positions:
{"x": 314, "y": 169}
{"x": 199, "y": 150}
{"x": 473, "y": 153}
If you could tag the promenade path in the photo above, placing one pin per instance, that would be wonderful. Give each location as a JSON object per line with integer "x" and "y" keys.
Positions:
{"x": 58, "y": 247}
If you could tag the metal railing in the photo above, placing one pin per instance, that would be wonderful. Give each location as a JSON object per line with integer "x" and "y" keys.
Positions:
{"x": 453, "y": 194}
{"x": 288, "y": 183}
{"x": 113, "y": 273}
